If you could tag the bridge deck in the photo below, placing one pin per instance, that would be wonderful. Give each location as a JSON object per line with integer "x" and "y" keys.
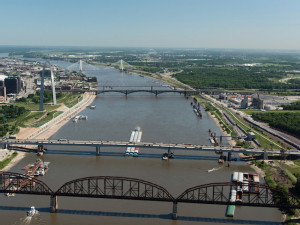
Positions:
{"x": 164, "y": 146}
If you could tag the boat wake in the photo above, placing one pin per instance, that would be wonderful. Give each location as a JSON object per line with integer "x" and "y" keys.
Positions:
{"x": 215, "y": 169}
{"x": 26, "y": 220}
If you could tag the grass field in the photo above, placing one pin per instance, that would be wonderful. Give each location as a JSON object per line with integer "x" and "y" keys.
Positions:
{"x": 49, "y": 117}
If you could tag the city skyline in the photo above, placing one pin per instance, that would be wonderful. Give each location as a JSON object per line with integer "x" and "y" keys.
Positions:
{"x": 267, "y": 24}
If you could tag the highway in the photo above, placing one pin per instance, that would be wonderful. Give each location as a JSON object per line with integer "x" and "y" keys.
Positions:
{"x": 163, "y": 146}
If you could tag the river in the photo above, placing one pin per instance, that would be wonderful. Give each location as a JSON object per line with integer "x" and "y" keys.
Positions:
{"x": 168, "y": 118}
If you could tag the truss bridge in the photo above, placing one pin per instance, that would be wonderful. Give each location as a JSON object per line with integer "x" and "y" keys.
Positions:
{"x": 111, "y": 187}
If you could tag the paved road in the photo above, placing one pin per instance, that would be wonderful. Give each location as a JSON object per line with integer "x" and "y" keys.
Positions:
{"x": 164, "y": 146}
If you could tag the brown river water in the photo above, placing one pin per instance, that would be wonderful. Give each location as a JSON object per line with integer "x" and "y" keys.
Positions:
{"x": 168, "y": 118}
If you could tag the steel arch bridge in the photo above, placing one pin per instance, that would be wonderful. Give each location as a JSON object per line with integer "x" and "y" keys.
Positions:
{"x": 21, "y": 184}
{"x": 258, "y": 195}
{"x": 114, "y": 187}
{"x": 110, "y": 187}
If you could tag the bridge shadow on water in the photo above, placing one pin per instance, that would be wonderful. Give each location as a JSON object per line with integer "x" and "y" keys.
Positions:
{"x": 119, "y": 154}
{"x": 144, "y": 215}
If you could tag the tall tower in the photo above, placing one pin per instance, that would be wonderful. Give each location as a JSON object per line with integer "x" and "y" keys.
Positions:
{"x": 80, "y": 66}
{"x": 42, "y": 86}
{"x": 121, "y": 65}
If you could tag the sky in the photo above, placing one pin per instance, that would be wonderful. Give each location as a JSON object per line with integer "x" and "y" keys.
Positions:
{"x": 250, "y": 24}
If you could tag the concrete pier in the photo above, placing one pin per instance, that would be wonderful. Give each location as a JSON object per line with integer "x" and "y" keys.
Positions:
{"x": 97, "y": 150}
{"x": 265, "y": 155}
{"x": 174, "y": 213}
{"x": 229, "y": 157}
{"x": 53, "y": 204}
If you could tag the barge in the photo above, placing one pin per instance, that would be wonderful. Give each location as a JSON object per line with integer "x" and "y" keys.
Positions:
{"x": 135, "y": 137}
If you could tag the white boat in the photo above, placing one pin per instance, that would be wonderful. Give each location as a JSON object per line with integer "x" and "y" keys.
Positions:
{"x": 235, "y": 176}
{"x": 136, "y": 152}
{"x": 233, "y": 196}
{"x": 131, "y": 151}
{"x": 81, "y": 117}
{"x": 139, "y": 136}
{"x": 127, "y": 152}
{"x": 31, "y": 212}
{"x": 41, "y": 172}
{"x": 9, "y": 194}
{"x": 131, "y": 136}
{"x": 240, "y": 177}
{"x": 93, "y": 107}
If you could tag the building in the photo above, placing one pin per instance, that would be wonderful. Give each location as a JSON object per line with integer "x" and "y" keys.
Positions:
{"x": 251, "y": 136}
{"x": 244, "y": 102}
{"x": 223, "y": 96}
{"x": 257, "y": 103}
{"x": 3, "y": 94}
{"x": 12, "y": 84}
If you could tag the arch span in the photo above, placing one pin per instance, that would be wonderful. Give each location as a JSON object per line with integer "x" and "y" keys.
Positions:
{"x": 42, "y": 86}
{"x": 253, "y": 194}
{"x": 114, "y": 187}
{"x": 19, "y": 183}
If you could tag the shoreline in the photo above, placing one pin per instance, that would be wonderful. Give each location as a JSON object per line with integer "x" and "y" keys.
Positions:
{"x": 50, "y": 128}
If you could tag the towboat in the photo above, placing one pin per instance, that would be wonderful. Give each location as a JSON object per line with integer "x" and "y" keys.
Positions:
{"x": 165, "y": 156}
{"x": 36, "y": 173}
{"x": 31, "y": 212}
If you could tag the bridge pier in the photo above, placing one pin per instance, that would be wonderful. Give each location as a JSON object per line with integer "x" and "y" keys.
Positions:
{"x": 174, "y": 213}
{"x": 156, "y": 93}
{"x": 97, "y": 150}
{"x": 5, "y": 146}
{"x": 126, "y": 93}
{"x": 53, "y": 204}
{"x": 40, "y": 148}
{"x": 229, "y": 157}
{"x": 265, "y": 155}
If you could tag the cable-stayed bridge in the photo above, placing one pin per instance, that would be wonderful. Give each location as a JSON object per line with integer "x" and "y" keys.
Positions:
{"x": 122, "y": 65}
{"x": 82, "y": 66}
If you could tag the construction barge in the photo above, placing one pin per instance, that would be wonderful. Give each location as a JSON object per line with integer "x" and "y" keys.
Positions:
{"x": 246, "y": 183}
{"x": 38, "y": 168}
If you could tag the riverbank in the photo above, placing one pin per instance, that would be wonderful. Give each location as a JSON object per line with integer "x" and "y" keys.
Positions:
{"x": 50, "y": 128}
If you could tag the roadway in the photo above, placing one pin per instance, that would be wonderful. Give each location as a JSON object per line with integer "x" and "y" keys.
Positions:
{"x": 163, "y": 146}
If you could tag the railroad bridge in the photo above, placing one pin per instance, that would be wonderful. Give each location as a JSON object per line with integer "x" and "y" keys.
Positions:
{"x": 112, "y": 187}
